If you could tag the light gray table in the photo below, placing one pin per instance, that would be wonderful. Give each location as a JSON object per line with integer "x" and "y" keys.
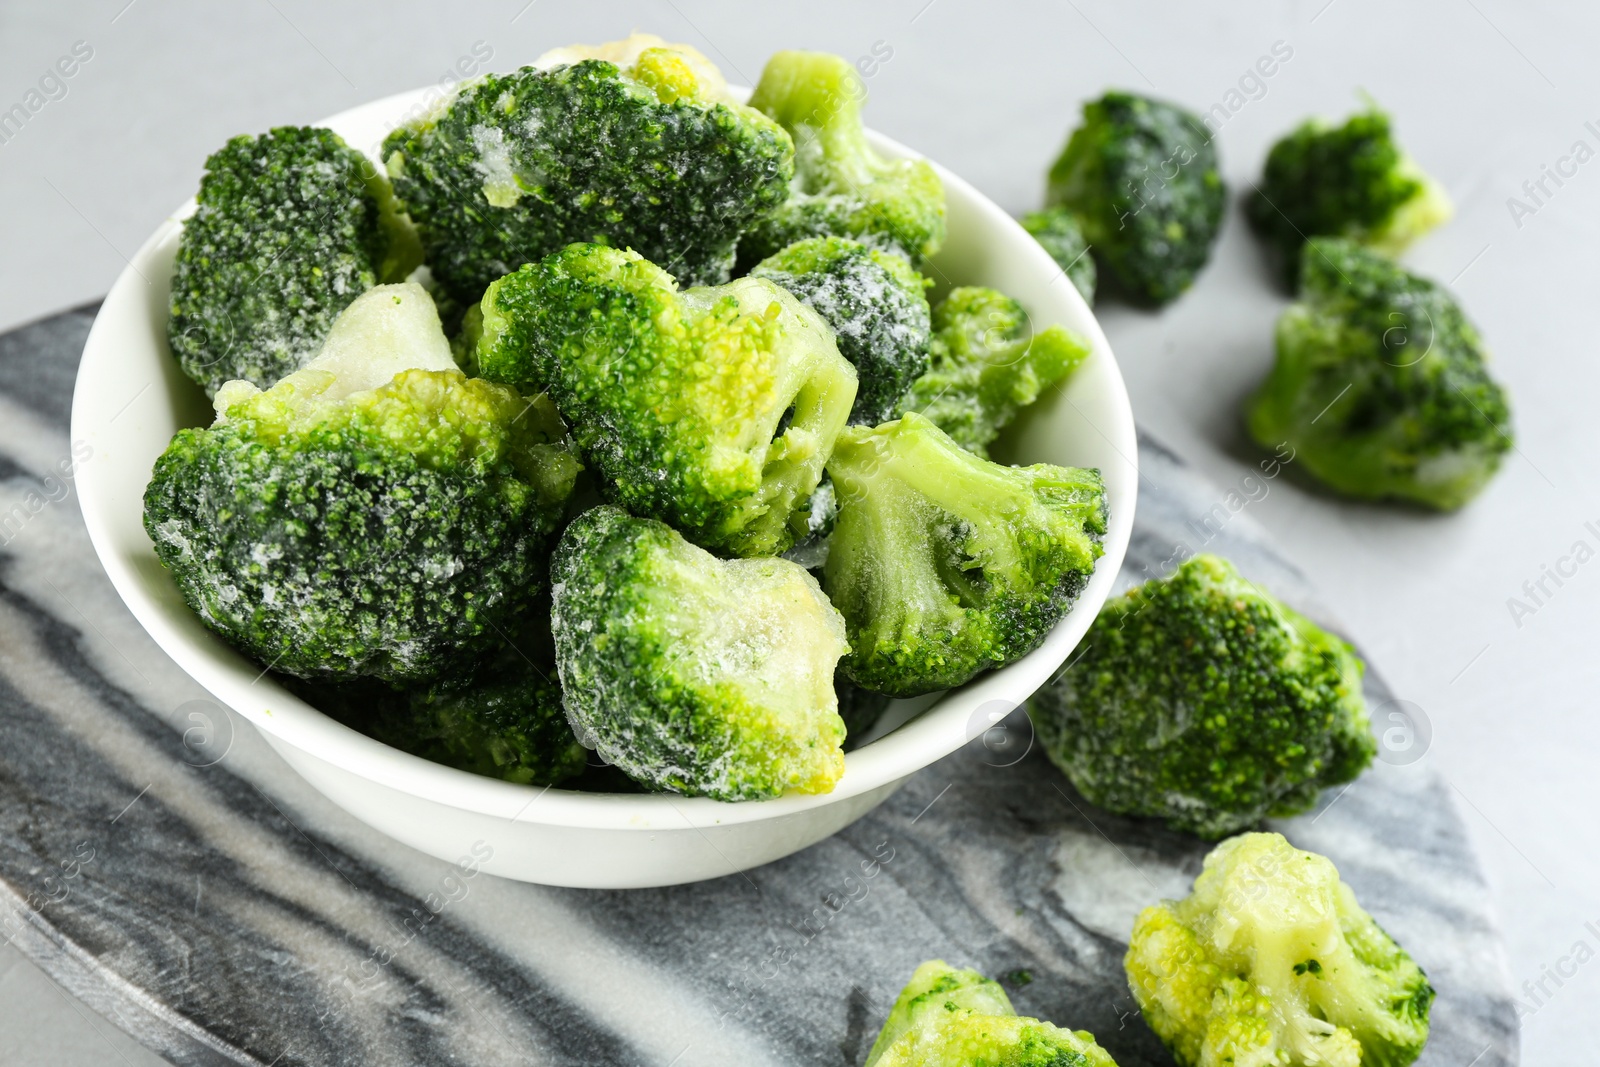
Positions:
{"x": 1486, "y": 94}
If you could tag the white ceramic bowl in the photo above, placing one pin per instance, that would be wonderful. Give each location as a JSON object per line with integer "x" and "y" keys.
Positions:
{"x": 131, "y": 398}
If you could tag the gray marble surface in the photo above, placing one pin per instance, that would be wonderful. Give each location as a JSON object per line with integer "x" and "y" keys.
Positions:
{"x": 191, "y": 889}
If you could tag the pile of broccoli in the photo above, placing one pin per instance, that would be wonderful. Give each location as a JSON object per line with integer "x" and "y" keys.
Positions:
{"x": 536, "y": 500}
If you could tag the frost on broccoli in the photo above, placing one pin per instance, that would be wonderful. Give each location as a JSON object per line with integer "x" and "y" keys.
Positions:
{"x": 987, "y": 364}
{"x": 875, "y": 305}
{"x": 1202, "y": 700}
{"x": 1141, "y": 177}
{"x": 376, "y": 513}
{"x": 1058, "y": 232}
{"x": 1352, "y": 181}
{"x": 713, "y": 409}
{"x": 516, "y": 166}
{"x": 1270, "y": 960}
{"x": 693, "y": 674}
{"x": 944, "y": 564}
{"x": 842, "y": 186}
{"x": 947, "y": 1017}
{"x": 1381, "y": 385}
{"x": 290, "y": 227}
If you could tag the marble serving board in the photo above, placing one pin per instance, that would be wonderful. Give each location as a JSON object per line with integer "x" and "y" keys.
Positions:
{"x": 160, "y": 862}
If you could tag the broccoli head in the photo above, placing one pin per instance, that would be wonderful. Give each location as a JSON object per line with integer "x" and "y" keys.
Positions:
{"x": 1203, "y": 700}
{"x": 875, "y": 305}
{"x": 713, "y": 409}
{"x": 290, "y": 227}
{"x": 1141, "y": 176}
{"x": 694, "y": 674}
{"x": 1058, "y": 232}
{"x": 944, "y": 564}
{"x": 947, "y": 1017}
{"x": 1381, "y": 385}
{"x": 987, "y": 364}
{"x": 376, "y": 513}
{"x": 1352, "y": 181}
{"x": 1270, "y": 960}
{"x": 515, "y": 166}
{"x": 841, "y": 187}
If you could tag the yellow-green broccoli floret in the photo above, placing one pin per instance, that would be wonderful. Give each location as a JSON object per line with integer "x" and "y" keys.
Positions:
{"x": 694, "y": 674}
{"x": 713, "y": 409}
{"x": 376, "y": 513}
{"x": 1205, "y": 701}
{"x": 1058, "y": 232}
{"x": 1271, "y": 962}
{"x": 947, "y": 1017}
{"x": 841, "y": 187}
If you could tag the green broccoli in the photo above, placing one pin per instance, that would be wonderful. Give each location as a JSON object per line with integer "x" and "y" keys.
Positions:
{"x": 1270, "y": 960}
{"x": 518, "y": 165}
{"x": 693, "y": 674}
{"x": 944, "y": 564}
{"x": 1352, "y": 181}
{"x": 987, "y": 364}
{"x": 376, "y": 513}
{"x": 713, "y": 409}
{"x": 1380, "y": 384}
{"x": 1203, "y": 700}
{"x": 291, "y": 227}
{"x": 841, "y": 187}
{"x": 1057, "y": 231}
{"x": 875, "y": 305}
{"x": 1141, "y": 176}
{"x": 957, "y": 1018}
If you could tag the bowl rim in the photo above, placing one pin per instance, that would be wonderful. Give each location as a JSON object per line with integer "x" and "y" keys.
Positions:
{"x": 953, "y": 719}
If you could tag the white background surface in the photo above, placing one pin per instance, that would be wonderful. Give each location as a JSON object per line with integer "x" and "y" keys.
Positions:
{"x": 1484, "y": 93}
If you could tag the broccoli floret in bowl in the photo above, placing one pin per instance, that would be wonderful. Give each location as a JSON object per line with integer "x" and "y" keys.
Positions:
{"x": 1381, "y": 384}
{"x": 1203, "y": 700}
{"x": 289, "y": 228}
{"x": 1271, "y": 960}
{"x": 1141, "y": 177}
{"x": 1058, "y": 232}
{"x": 693, "y": 674}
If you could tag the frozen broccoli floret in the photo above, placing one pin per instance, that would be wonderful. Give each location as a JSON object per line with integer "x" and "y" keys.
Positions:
{"x": 1270, "y": 960}
{"x": 709, "y": 82}
{"x": 1381, "y": 386}
{"x": 1141, "y": 176}
{"x": 1350, "y": 181}
{"x": 1058, "y": 232}
{"x": 376, "y": 513}
{"x": 987, "y": 364}
{"x": 516, "y": 166}
{"x": 713, "y": 409}
{"x": 944, "y": 564}
{"x": 874, "y": 303}
{"x": 1202, "y": 700}
{"x": 694, "y": 674}
{"x": 291, "y": 227}
{"x": 841, "y": 186}
{"x": 957, "y": 1018}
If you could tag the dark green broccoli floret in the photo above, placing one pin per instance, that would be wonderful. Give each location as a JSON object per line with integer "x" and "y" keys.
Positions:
{"x": 1204, "y": 701}
{"x": 1141, "y": 176}
{"x": 713, "y": 409}
{"x": 518, "y": 165}
{"x": 1270, "y": 960}
{"x": 1057, "y": 231}
{"x": 376, "y": 513}
{"x": 1381, "y": 385}
{"x": 944, "y": 564}
{"x": 842, "y": 187}
{"x": 1350, "y": 181}
{"x": 958, "y": 1018}
{"x": 987, "y": 364}
{"x": 291, "y": 227}
{"x": 693, "y": 674}
{"x": 875, "y": 305}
